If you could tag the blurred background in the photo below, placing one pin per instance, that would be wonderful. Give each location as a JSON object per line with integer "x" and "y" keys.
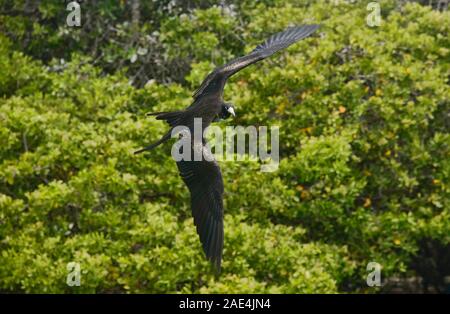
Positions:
{"x": 363, "y": 111}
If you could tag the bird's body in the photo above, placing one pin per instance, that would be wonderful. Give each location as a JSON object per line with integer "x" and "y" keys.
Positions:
{"x": 203, "y": 177}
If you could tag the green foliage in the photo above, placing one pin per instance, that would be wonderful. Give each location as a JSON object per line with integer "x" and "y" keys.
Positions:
{"x": 364, "y": 143}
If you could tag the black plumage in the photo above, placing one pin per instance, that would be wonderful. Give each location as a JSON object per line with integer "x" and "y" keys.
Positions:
{"x": 203, "y": 178}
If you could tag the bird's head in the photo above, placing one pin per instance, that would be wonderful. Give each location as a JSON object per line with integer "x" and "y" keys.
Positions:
{"x": 227, "y": 111}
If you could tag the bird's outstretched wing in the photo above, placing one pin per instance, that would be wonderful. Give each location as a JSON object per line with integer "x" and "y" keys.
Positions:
{"x": 216, "y": 80}
{"x": 205, "y": 184}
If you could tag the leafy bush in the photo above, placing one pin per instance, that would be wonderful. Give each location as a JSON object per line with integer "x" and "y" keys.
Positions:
{"x": 364, "y": 135}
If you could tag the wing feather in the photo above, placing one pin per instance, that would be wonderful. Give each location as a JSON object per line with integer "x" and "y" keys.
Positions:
{"x": 215, "y": 81}
{"x": 205, "y": 183}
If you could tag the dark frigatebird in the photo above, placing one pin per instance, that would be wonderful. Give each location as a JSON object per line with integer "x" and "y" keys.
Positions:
{"x": 203, "y": 177}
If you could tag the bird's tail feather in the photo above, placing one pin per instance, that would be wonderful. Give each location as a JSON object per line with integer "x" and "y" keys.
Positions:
{"x": 171, "y": 117}
{"x": 157, "y": 143}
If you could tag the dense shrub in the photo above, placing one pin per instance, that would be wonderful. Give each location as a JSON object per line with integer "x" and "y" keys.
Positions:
{"x": 364, "y": 135}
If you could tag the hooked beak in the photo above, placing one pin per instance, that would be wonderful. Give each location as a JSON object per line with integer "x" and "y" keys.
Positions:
{"x": 231, "y": 111}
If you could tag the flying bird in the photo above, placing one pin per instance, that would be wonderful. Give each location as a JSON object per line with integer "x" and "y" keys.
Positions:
{"x": 203, "y": 178}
